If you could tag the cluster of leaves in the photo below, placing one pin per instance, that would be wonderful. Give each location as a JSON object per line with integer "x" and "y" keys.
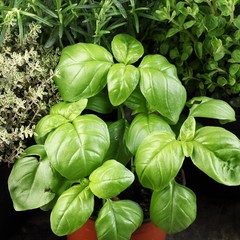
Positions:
{"x": 201, "y": 37}
{"x": 26, "y": 89}
{"x": 67, "y": 22}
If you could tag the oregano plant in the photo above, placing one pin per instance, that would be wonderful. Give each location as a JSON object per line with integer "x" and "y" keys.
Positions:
{"x": 86, "y": 152}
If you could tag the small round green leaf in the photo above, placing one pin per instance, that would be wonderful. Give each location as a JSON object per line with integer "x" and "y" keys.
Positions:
{"x": 174, "y": 208}
{"x": 122, "y": 80}
{"x": 110, "y": 179}
{"x": 118, "y": 220}
{"x": 126, "y": 49}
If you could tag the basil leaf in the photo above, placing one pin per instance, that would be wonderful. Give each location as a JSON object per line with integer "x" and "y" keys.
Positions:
{"x": 126, "y": 49}
{"x": 76, "y": 149}
{"x": 158, "y": 160}
{"x": 32, "y": 180}
{"x": 173, "y": 208}
{"x": 216, "y": 152}
{"x": 118, "y": 220}
{"x": 161, "y": 87}
{"x": 122, "y": 80}
{"x": 110, "y": 179}
{"x": 72, "y": 209}
{"x": 82, "y": 71}
{"x": 141, "y": 126}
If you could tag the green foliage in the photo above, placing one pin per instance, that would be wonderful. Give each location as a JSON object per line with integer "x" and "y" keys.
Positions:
{"x": 92, "y": 157}
{"x": 201, "y": 38}
{"x": 26, "y": 88}
{"x": 67, "y": 22}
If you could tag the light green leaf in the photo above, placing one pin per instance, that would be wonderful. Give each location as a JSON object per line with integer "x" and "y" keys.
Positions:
{"x": 211, "y": 108}
{"x": 158, "y": 160}
{"x": 47, "y": 124}
{"x": 174, "y": 208}
{"x": 126, "y": 49}
{"x": 141, "y": 126}
{"x": 161, "y": 87}
{"x": 216, "y": 152}
{"x": 122, "y": 80}
{"x": 72, "y": 210}
{"x": 76, "y": 149}
{"x": 32, "y": 180}
{"x": 82, "y": 71}
{"x": 117, "y": 220}
{"x": 110, "y": 179}
{"x": 69, "y": 110}
{"x": 187, "y": 130}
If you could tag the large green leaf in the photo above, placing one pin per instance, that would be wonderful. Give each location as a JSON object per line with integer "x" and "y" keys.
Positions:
{"x": 158, "y": 160}
{"x": 117, "y": 220}
{"x": 161, "y": 87}
{"x": 211, "y": 108}
{"x": 82, "y": 71}
{"x": 141, "y": 126}
{"x": 174, "y": 208}
{"x": 118, "y": 149}
{"x": 32, "y": 180}
{"x": 110, "y": 179}
{"x": 72, "y": 210}
{"x": 76, "y": 149}
{"x": 216, "y": 152}
{"x": 122, "y": 80}
{"x": 126, "y": 49}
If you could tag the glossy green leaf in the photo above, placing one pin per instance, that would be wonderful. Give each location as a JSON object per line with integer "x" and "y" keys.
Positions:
{"x": 187, "y": 130}
{"x": 72, "y": 210}
{"x": 161, "y": 87}
{"x": 82, "y": 71}
{"x": 47, "y": 124}
{"x": 211, "y": 108}
{"x": 118, "y": 149}
{"x": 126, "y": 49}
{"x": 122, "y": 80}
{"x": 141, "y": 126}
{"x": 137, "y": 102}
{"x": 117, "y": 220}
{"x": 100, "y": 103}
{"x": 76, "y": 149}
{"x": 69, "y": 110}
{"x": 174, "y": 208}
{"x": 110, "y": 179}
{"x": 32, "y": 180}
{"x": 216, "y": 152}
{"x": 158, "y": 160}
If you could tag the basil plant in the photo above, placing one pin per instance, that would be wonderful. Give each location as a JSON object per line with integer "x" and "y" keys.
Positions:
{"x": 82, "y": 155}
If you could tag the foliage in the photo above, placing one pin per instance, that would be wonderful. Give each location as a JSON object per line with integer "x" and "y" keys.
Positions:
{"x": 67, "y": 22}
{"x": 74, "y": 148}
{"x": 201, "y": 37}
{"x": 27, "y": 90}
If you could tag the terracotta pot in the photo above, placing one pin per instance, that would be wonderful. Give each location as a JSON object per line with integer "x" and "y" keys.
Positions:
{"x": 146, "y": 231}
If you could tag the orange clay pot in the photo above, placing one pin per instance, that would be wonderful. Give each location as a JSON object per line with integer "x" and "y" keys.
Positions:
{"x": 147, "y": 231}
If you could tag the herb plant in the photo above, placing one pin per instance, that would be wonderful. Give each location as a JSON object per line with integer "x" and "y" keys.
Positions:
{"x": 26, "y": 90}
{"x": 201, "y": 38}
{"x": 80, "y": 157}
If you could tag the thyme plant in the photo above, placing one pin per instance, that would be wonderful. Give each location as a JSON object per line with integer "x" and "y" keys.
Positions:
{"x": 26, "y": 89}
